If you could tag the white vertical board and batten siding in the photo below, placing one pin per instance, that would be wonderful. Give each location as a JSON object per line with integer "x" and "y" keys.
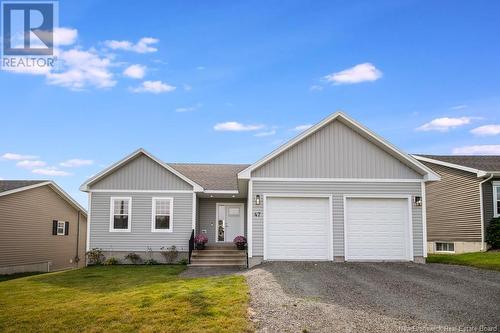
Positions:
{"x": 337, "y": 189}
{"x": 141, "y": 173}
{"x": 336, "y": 151}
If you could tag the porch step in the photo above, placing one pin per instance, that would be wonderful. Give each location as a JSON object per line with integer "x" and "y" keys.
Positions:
{"x": 220, "y": 256}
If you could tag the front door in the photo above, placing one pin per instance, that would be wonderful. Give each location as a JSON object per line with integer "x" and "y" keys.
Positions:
{"x": 229, "y": 221}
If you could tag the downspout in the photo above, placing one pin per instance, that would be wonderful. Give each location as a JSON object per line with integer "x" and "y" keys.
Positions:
{"x": 481, "y": 207}
{"x": 77, "y": 259}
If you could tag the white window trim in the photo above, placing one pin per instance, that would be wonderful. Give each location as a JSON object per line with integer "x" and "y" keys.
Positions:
{"x": 112, "y": 214}
{"x": 436, "y": 250}
{"x": 495, "y": 184}
{"x": 63, "y": 227}
{"x": 153, "y": 214}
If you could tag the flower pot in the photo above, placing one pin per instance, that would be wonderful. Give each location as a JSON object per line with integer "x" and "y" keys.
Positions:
{"x": 200, "y": 246}
{"x": 240, "y": 246}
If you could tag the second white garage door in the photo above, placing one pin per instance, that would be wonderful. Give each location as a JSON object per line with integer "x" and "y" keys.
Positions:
{"x": 297, "y": 228}
{"x": 377, "y": 229}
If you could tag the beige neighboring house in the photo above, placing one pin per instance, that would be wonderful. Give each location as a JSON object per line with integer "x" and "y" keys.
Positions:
{"x": 461, "y": 205}
{"x": 41, "y": 227}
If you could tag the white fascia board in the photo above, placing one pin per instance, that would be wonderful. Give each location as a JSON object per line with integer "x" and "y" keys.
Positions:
{"x": 85, "y": 186}
{"x": 479, "y": 173}
{"x": 428, "y": 173}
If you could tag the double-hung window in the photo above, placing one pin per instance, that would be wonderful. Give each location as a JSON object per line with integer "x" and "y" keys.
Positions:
{"x": 163, "y": 211}
{"x": 61, "y": 227}
{"x": 496, "y": 199}
{"x": 121, "y": 211}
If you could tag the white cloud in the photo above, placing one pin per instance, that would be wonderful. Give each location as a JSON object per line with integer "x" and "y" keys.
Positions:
{"x": 65, "y": 36}
{"x": 18, "y": 157}
{"x": 365, "y": 72}
{"x": 233, "y": 126}
{"x": 301, "y": 128}
{"x": 82, "y": 69}
{"x": 187, "y": 87}
{"x": 486, "y": 130}
{"x": 50, "y": 171}
{"x": 262, "y": 134}
{"x": 155, "y": 87}
{"x": 144, "y": 45}
{"x": 459, "y": 107}
{"x": 189, "y": 108}
{"x": 30, "y": 164}
{"x": 75, "y": 163}
{"x": 135, "y": 71}
{"x": 477, "y": 150}
{"x": 444, "y": 124}
{"x": 315, "y": 87}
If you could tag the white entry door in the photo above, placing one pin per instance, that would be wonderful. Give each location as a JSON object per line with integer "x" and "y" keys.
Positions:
{"x": 230, "y": 220}
{"x": 378, "y": 229}
{"x": 297, "y": 228}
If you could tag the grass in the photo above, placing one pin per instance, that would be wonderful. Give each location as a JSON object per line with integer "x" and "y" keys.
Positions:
{"x": 124, "y": 299}
{"x": 17, "y": 276}
{"x": 487, "y": 260}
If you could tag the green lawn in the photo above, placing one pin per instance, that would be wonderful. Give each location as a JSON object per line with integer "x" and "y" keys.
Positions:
{"x": 487, "y": 260}
{"x": 124, "y": 299}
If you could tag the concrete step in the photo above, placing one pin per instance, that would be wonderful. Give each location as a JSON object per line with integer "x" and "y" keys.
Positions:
{"x": 219, "y": 253}
{"x": 216, "y": 265}
{"x": 222, "y": 255}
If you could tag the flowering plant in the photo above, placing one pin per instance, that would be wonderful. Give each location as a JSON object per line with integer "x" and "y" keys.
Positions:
{"x": 201, "y": 239}
{"x": 240, "y": 241}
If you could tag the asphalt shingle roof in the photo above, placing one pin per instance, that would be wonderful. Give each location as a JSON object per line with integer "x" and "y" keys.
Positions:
{"x": 7, "y": 185}
{"x": 212, "y": 176}
{"x": 484, "y": 163}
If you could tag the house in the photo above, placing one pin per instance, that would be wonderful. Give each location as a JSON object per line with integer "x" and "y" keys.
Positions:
{"x": 41, "y": 227}
{"x": 336, "y": 192}
{"x": 461, "y": 205}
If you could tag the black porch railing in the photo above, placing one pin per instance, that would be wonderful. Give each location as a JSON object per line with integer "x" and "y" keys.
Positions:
{"x": 191, "y": 246}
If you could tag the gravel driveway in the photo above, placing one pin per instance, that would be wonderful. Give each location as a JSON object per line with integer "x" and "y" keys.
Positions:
{"x": 381, "y": 297}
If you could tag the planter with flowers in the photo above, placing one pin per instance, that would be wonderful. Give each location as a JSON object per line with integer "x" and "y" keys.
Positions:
{"x": 200, "y": 240}
{"x": 240, "y": 242}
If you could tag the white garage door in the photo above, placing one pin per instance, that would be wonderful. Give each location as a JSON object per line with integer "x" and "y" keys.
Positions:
{"x": 377, "y": 229}
{"x": 297, "y": 228}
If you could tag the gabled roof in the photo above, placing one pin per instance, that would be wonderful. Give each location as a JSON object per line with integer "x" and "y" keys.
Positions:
{"x": 85, "y": 186}
{"x": 212, "y": 177}
{"x": 391, "y": 149}
{"x": 13, "y": 186}
{"x": 478, "y": 164}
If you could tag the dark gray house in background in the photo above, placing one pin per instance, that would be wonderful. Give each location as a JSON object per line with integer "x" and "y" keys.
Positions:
{"x": 337, "y": 191}
{"x": 460, "y": 206}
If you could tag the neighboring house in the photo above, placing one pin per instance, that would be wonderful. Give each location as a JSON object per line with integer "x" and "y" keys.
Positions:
{"x": 336, "y": 191}
{"x": 461, "y": 205}
{"x": 41, "y": 227}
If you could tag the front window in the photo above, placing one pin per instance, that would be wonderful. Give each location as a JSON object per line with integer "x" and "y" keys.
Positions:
{"x": 445, "y": 247}
{"x": 162, "y": 214}
{"x": 120, "y": 214}
{"x": 496, "y": 199}
{"x": 61, "y": 228}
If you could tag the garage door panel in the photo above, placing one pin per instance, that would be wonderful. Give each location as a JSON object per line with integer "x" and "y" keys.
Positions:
{"x": 377, "y": 229}
{"x": 297, "y": 228}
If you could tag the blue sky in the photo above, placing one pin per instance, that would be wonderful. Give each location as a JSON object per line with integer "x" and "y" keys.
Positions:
{"x": 228, "y": 81}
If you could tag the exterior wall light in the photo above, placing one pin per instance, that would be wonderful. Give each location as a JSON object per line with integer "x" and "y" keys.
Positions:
{"x": 257, "y": 200}
{"x": 418, "y": 201}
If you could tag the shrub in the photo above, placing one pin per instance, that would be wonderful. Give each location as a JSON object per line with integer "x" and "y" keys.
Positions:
{"x": 240, "y": 241}
{"x": 201, "y": 239}
{"x": 134, "y": 258}
{"x": 151, "y": 262}
{"x": 111, "y": 261}
{"x": 183, "y": 261}
{"x": 95, "y": 256}
{"x": 169, "y": 253}
{"x": 493, "y": 233}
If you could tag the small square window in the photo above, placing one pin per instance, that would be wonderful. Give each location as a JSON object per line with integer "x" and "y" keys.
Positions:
{"x": 445, "y": 247}
{"x": 61, "y": 228}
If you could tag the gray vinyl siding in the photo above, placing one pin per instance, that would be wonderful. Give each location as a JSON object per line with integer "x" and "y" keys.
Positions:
{"x": 141, "y": 173}
{"x": 207, "y": 215}
{"x": 337, "y": 190}
{"x": 140, "y": 236}
{"x": 335, "y": 151}
{"x": 488, "y": 201}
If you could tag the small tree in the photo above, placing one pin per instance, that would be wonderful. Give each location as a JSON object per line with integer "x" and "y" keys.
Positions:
{"x": 493, "y": 233}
